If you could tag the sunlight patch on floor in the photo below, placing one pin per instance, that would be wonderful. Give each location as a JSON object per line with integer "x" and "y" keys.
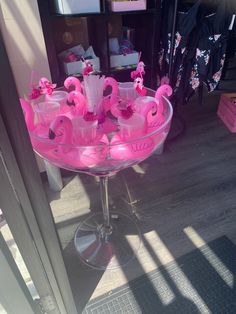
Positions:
{"x": 213, "y": 259}
{"x": 169, "y": 296}
{"x": 72, "y": 201}
{"x": 186, "y": 289}
{"x": 138, "y": 169}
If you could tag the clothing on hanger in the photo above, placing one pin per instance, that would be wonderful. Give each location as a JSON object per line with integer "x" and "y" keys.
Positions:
{"x": 187, "y": 17}
{"x": 211, "y": 48}
{"x": 200, "y": 45}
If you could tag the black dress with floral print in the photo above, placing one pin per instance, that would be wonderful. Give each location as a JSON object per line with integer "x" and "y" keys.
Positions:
{"x": 186, "y": 22}
{"x": 200, "y": 46}
{"x": 211, "y": 48}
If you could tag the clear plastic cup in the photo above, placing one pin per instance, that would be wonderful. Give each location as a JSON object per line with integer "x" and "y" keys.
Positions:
{"x": 132, "y": 127}
{"x": 46, "y": 112}
{"x": 140, "y": 102}
{"x": 127, "y": 91}
{"x": 60, "y": 97}
{"x": 85, "y": 132}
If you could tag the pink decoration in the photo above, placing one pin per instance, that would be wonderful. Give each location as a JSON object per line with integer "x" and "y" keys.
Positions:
{"x": 38, "y": 132}
{"x": 153, "y": 110}
{"x": 35, "y": 93}
{"x": 88, "y": 68}
{"x": 165, "y": 80}
{"x": 44, "y": 88}
{"x": 106, "y": 139}
{"x": 83, "y": 157}
{"x": 139, "y": 149}
{"x": 71, "y": 57}
{"x": 73, "y": 82}
{"x": 139, "y": 72}
{"x": 163, "y": 90}
{"x": 90, "y": 116}
{"x": 28, "y": 113}
{"x": 80, "y": 102}
{"x": 138, "y": 85}
{"x": 111, "y": 102}
{"x": 127, "y": 113}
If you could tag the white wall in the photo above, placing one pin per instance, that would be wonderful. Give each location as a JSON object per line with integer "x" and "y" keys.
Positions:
{"x": 22, "y": 32}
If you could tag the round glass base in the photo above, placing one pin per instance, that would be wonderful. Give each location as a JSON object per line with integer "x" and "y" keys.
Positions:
{"x": 107, "y": 248}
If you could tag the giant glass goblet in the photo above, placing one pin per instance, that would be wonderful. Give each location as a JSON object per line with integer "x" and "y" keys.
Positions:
{"x": 102, "y": 239}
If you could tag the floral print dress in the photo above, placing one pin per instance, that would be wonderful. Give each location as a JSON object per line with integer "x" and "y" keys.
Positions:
{"x": 199, "y": 49}
{"x": 211, "y": 48}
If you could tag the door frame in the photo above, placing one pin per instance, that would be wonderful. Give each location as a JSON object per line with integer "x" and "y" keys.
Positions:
{"x": 14, "y": 293}
{"x": 26, "y": 208}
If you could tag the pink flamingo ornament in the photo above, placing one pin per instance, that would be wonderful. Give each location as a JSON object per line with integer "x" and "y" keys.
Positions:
{"x": 45, "y": 86}
{"x": 88, "y": 69}
{"x": 139, "y": 72}
{"x": 73, "y": 155}
{"x": 80, "y": 102}
{"x": 111, "y": 102}
{"x": 154, "y": 119}
{"x": 72, "y": 81}
{"x": 62, "y": 127}
{"x": 152, "y": 111}
{"x": 138, "y": 85}
{"x": 117, "y": 108}
{"x": 163, "y": 90}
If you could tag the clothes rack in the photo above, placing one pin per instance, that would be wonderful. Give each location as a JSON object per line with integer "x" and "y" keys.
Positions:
{"x": 178, "y": 121}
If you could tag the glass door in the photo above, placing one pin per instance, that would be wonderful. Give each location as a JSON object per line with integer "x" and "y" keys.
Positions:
{"x": 24, "y": 205}
{"x": 15, "y": 294}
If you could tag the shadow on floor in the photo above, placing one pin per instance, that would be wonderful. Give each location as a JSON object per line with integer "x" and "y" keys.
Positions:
{"x": 202, "y": 281}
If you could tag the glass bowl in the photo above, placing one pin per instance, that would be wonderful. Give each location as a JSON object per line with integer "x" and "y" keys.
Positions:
{"x": 100, "y": 241}
{"x": 110, "y": 154}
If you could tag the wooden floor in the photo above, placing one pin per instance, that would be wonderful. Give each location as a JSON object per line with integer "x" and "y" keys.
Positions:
{"x": 180, "y": 199}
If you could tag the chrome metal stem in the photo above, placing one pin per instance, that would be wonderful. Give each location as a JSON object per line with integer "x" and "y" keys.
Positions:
{"x": 106, "y": 229}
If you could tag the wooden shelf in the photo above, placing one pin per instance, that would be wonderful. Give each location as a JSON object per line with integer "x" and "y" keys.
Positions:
{"x": 148, "y": 11}
{"x": 57, "y": 15}
{"x": 61, "y": 32}
{"x": 107, "y": 13}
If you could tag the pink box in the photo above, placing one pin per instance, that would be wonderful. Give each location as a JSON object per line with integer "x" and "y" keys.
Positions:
{"x": 227, "y": 115}
{"x": 230, "y": 101}
{"x": 119, "y": 6}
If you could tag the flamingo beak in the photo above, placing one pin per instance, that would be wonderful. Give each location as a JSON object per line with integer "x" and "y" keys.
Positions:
{"x": 70, "y": 103}
{"x": 154, "y": 112}
{"x": 51, "y": 134}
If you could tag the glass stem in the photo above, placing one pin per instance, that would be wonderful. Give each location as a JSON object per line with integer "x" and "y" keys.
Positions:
{"x": 104, "y": 198}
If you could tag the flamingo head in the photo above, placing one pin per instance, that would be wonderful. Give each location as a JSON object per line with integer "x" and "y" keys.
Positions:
{"x": 141, "y": 65}
{"x": 72, "y": 81}
{"x": 138, "y": 82}
{"x": 71, "y": 97}
{"x": 150, "y": 106}
{"x": 61, "y": 125}
{"x": 164, "y": 90}
{"x": 110, "y": 81}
